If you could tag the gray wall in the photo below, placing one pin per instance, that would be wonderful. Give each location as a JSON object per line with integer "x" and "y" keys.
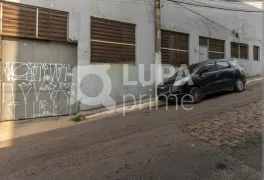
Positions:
{"x": 140, "y": 14}
{"x": 37, "y": 78}
{"x": 173, "y": 17}
{"x": 248, "y": 25}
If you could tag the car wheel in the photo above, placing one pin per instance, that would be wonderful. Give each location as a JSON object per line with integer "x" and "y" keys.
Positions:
{"x": 197, "y": 95}
{"x": 239, "y": 85}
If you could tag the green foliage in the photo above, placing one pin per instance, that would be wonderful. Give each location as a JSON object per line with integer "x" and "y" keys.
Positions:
{"x": 78, "y": 118}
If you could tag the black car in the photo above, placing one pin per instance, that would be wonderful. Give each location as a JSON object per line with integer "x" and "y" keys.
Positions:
{"x": 203, "y": 78}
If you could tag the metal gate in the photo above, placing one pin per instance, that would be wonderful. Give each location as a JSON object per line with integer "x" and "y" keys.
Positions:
{"x": 37, "y": 78}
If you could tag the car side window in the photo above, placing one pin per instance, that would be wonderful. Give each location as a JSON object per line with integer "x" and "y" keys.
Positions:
{"x": 222, "y": 65}
{"x": 234, "y": 63}
{"x": 209, "y": 67}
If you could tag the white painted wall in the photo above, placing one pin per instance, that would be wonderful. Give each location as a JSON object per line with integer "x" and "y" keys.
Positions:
{"x": 173, "y": 17}
{"x": 140, "y": 14}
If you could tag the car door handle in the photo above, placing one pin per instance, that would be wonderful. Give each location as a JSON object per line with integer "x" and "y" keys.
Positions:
{"x": 217, "y": 75}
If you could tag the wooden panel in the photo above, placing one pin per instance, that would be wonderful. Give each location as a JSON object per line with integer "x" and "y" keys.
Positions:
{"x": 243, "y": 51}
{"x": 213, "y": 55}
{"x": 256, "y": 53}
{"x": 203, "y": 41}
{"x": 114, "y": 53}
{"x": 110, "y": 33}
{"x": 52, "y": 25}
{"x": 239, "y": 50}
{"x": 234, "y": 50}
{"x": 169, "y": 57}
{"x": 112, "y": 23}
{"x": 113, "y": 31}
{"x": 19, "y": 20}
{"x": 174, "y": 40}
{"x": 183, "y": 57}
{"x": 216, "y": 45}
{"x": 175, "y": 58}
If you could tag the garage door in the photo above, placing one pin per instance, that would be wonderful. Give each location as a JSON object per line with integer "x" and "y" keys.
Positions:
{"x": 37, "y": 78}
{"x": 174, "y": 48}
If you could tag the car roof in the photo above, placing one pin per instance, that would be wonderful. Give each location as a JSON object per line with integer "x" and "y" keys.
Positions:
{"x": 209, "y": 60}
{"x": 226, "y": 59}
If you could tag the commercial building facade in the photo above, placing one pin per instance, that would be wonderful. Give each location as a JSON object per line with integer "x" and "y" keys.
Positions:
{"x": 123, "y": 32}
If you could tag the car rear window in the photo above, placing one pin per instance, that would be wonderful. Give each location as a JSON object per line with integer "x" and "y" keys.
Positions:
{"x": 222, "y": 65}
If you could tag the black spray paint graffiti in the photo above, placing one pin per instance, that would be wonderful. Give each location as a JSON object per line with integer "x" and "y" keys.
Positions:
{"x": 42, "y": 88}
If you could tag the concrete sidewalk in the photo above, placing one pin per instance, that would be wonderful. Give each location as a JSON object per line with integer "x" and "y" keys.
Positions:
{"x": 15, "y": 129}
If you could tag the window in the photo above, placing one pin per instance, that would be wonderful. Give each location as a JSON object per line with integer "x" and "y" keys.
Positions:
{"x": 234, "y": 63}
{"x": 34, "y": 22}
{"x": 239, "y": 50}
{"x": 52, "y": 25}
{"x": 18, "y": 21}
{"x": 222, "y": 65}
{"x": 193, "y": 67}
{"x": 209, "y": 67}
{"x": 174, "y": 48}
{"x": 112, "y": 41}
{"x": 256, "y": 53}
{"x": 215, "y": 48}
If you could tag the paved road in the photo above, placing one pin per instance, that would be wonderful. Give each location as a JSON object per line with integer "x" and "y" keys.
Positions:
{"x": 156, "y": 144}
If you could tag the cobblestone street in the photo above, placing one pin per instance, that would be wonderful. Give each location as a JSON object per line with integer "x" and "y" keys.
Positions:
{"x": 228, "y": 129}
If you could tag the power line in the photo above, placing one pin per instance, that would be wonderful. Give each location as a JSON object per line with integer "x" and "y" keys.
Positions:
{"x": 213, "y": 7}
{"x": 218, "y": 24}
{"x": 225, "y": 2}
{"x": 187, "y": 3}
{"x": 131, "y": 2}
{"x": 180, "y": 3}
{"x": 205, "y": 17}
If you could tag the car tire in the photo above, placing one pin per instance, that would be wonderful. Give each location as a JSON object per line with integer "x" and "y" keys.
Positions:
{"x": 197, "y": 95}
{"x": 239, "y": 85}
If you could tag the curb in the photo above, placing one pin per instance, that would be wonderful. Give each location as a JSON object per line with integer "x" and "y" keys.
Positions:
{"x": 254, "y": 80}
{"x": 126, "y": 109}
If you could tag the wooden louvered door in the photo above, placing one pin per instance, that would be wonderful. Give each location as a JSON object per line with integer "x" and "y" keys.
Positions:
{"x": 239, "y": 50}
{"x": 112, "y": 41}
{"x": 234, "y": 50}
{"x": 216, "y": 47}
{"x": 174, "y": 48}
{"x": 18, "y": 21}
{"x": 26, "y": 21}
{"x": 52, "y": 25}
{"x": 243, "y": 51}
{"x": 256, "y": 53}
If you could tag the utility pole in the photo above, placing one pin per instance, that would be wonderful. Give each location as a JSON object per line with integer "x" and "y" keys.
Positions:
{"x": 157, "y": 27}
{"x": 158, "y": 70}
